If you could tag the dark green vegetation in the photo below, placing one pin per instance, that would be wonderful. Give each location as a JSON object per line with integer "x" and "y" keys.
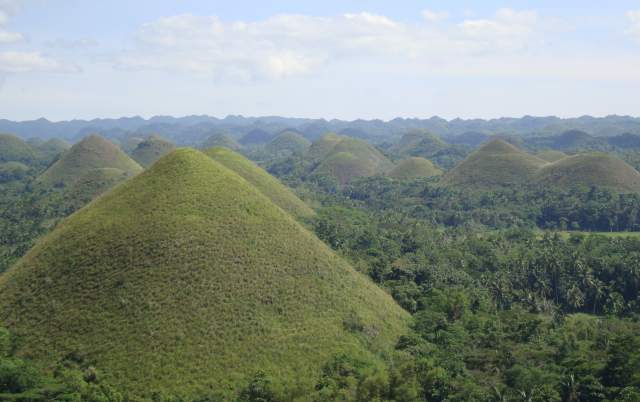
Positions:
{"x": 186, "y": 278}
{"x": 263, "y": 181}
{"x": 496, "y": 163}
{"x": 422, "y": 143}
{"x": 151, "y": 149}
{"x": 11, "y": 171}
{"x": 414, "y": 167}
{"x": 93, "y": 152}
{"x": 595, "y": 169}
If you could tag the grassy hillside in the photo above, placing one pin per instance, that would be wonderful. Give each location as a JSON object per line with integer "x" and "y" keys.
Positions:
{"x": 256, "y": 137}
{"x": 418, "y": 142}
{"x": 186, "y": 278}
{"x": 93, "y": 152}
{"x": 280, "y": 194}
{"x": 151, "y": 149}
{"x": 10, "y": 171}
{"x": 551, "y": 155}
{"x": 351, "y": 158}
{"x": 496, "y": 163}
{"x": 289, "y": 142}
{"x": 414, "y": 167}
{"x": 221, "y": 140}
{"x": 51, "y": 149}
{"x": 13, "y": 149}
{"x": 321, "y": 148}
{"x": 596, "y": 169}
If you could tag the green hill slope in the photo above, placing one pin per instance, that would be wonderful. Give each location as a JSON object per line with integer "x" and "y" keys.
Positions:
{"x": 280, "y": 194}
{"x": 594, "y": 169}
{"x": 351, "y": 158}
{"x": 321, "y": 148}
{"x": 414, "y": 167}
{"x": 221, "y": 140}
{"x": 50, "y": 149}
{"x": 93, "y": 152}
{"x": 13, "y": 149}
{"x": 288, "y": 142}
{"x": 551, "y": 155}
{"x": 10, "y": 171}
{"x": 418, "y": 142}
{"x": 151, "y": 149}
{"x": 187, "y": 271}
{"x": 496, "y": 163}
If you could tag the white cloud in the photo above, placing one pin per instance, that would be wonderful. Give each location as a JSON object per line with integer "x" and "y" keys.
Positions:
{"x": 434, "y": 16}
{"x": 285, "y": 45}
{"x": 634, "y": 19}
{"x": 28, "y": 61}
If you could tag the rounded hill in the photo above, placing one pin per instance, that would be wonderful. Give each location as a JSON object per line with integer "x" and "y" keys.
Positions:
{"x": 595, "y": 169}
{"x": 93, "y": 152}
{"x": 13, "y": 149}
{"x": 321, "y": 148}
{"x": 414, "y": 167}
{"x": 289, "y": 142}
{"x": 188, "y": 271}
{"x": 151, "y": 149}
{"x": 352, "y": 158}
{"x": 497, "y": 163}
{"x": 221, "y": 140}
{"x": 551, "y": 155}
{"x": 280, "y": 194}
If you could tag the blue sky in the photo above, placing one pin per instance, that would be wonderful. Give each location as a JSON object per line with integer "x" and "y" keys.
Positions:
{"x": 65, "y": 59}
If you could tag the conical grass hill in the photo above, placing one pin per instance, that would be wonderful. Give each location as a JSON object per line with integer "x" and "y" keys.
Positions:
{"x": 289, "y": 142}
{"x": 352, "y": 158}
{"x": 93, "y": 152}
{"x": 13, "y": 149}
{"x": 414, "y": 167}
{"x": 280, "y": 194}
{"x": 185, "y": 278}
{"x": 551, "y": 155}
{"x": 50, "y": 149}
{"x": 497, "y": 163}
{"x": 151, "y": 149}
{"x": 221, "y": 140}
{"x": 321, "y": 148}
{"x": 595, "y": 169}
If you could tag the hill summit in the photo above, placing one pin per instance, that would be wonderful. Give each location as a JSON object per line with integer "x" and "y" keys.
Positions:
{"x": 414, "y": 167}
{"x": 13, "y": 149}
{"x": 280, "y": 194}
{"x": 594, "y": 169}
{"x": 93, "y": 152}
{"x": 497, "y": 163}
{"x": 151, "y": 149}
{"x": 188, "y": 271}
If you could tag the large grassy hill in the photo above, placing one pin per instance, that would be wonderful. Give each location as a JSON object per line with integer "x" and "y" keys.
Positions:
{"x": 280, "y": 194}
{"x": 51, "y": 149}
{"x": 595, "y": 169}
{"x": 321, "y": 148}
{"x": 93, "y": 152}
{"x": 551, "y": 155}
{"x": 496, "y": 163}
{"x": 151, "y": 149}
{"x": 13, "y": 149}
{"x": 352, "y": 158}
{"x": 288, "y": 142}
{"x": 418, "y": 142}
{"x": 187, "y": 278}
{"x": 414, "y": 167}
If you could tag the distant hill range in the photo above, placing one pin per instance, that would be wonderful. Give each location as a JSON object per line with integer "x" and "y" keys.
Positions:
{"x": 194, "y": 130}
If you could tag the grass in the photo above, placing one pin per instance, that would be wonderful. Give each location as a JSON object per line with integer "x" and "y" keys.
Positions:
{"x": 277, "y": 192}
{"x": 93, "y": 152}
{"x": 351, "y": 158}
{"x": 13, "y": 149}
{"x": 151, "y": 149}
{"x": 496, "y": 163}
{"x": 594, "y": 169}
{"x": 414, "y": 167}
{"x": 10, "y": 171}
{"x": 187, "y": 277}
{"x": 321, "y": 148}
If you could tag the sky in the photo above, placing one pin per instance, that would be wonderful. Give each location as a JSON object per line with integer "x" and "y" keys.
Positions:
{"x": 347, "y": 59}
